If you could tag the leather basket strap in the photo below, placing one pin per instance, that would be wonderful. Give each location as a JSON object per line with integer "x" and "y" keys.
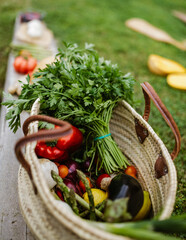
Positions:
{"x": 149, "y": 93}
{"x": 48, "y": 135}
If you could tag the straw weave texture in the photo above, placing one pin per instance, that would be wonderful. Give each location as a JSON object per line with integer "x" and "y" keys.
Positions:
{"x": 48, "y": 221}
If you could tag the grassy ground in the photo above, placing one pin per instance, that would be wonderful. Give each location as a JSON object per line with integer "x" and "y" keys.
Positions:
{"x": 102, "y": 23}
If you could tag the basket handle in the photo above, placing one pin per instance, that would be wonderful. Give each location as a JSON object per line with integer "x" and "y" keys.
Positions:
{"x": 47, "y": 135}
{"x": 149, "y": 93}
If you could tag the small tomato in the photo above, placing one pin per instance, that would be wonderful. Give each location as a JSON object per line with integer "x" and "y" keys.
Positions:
{"x": 131, "y": 170}
{"x": 63, "y": 171}
{"x": 60, "y": 194}
{"x": 82, "y": 186}
{"x": 24, "y": 64}
{"x": 101, "y": 183}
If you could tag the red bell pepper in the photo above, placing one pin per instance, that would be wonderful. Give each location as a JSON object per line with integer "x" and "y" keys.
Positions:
{"x": 60, "y": 194}
{"x": 52, "y": 153}
{"x": 70, "y": 142}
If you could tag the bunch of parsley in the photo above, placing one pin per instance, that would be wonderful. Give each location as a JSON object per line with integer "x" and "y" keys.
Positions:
{"x": 82, "y": 88}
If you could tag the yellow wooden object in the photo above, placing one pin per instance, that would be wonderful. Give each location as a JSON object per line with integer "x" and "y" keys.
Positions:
{"x": 177, "y": 80}
{"x": 98, "y": 194}
{"x": 163, "y": 66}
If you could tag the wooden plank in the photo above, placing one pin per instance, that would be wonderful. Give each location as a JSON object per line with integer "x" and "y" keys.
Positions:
{"x": 12, "y": 225}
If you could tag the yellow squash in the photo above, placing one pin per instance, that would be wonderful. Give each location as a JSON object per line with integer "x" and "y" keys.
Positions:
{"x": 145, "y": 209}
{"x": 177, "y": 80}
{"x": 163, "y": 66}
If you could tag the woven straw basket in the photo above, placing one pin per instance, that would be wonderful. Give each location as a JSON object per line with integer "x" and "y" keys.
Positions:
{"x": 137, "y": 140}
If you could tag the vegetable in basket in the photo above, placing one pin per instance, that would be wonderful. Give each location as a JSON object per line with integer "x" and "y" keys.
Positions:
{"x": 143, "y": 230}
{"x": 131, "y": 170}
{"x": 47, "y": 166}
{"x": 72, "y": 169}
{"x": 98, "y": 195}
{"x": 124, "y": 186}
{"x": 145, "y": 209}
{"x": 82, "y": 186}
{"x": 72, "y": 185}
{"x": 59, "y": 150}
{"x": 70, "y": 142}
{"x": 63, "y": 171}
{"x": 147, "y": 230}
{"x": 123, "y": 201}
{"x": 82, "y": 88}
{"x": 62, "y": 186}
{"x": 50, "y": 152}
{"x": 103, "y": 181}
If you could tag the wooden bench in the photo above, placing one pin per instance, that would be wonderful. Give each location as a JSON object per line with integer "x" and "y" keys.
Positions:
{"x": 12, "y": 225}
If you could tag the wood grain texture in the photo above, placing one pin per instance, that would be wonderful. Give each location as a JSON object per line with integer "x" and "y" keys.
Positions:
{"x": 12, "y": 225}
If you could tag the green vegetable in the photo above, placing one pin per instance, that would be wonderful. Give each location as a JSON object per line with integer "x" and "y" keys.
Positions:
{"x": 68, "y": 194}
{"x": 36, "y": 51}
{"x": 147, "y": 230}
{"x": 73, "y": 202}
{"x": 101, "y": 205}
{"x": 89, "y": 192}
{"x": 116, "y": 211}
{"x": 82, "y": 88}
{"x": 84, "y": 213}
{"x": 80, "y": 200}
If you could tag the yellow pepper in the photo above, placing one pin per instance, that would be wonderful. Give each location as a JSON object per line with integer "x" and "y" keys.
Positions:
{"x": 98, "y": 194}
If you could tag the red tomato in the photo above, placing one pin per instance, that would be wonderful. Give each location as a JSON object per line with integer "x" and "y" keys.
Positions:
{"x": 32, "y": 62}
{"x": 100, "y": 178}
{"x": 131, "y": 170}
{"x": 82, "y": 186}
{"x": 24, "y": 65}
{"x": 63, "y": 171}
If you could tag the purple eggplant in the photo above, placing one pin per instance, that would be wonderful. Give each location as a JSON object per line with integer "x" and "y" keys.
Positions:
{"x": 122, "y": 186}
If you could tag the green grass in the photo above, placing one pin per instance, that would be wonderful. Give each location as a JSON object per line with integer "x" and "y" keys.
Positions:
{"x": 102, "y": 23}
